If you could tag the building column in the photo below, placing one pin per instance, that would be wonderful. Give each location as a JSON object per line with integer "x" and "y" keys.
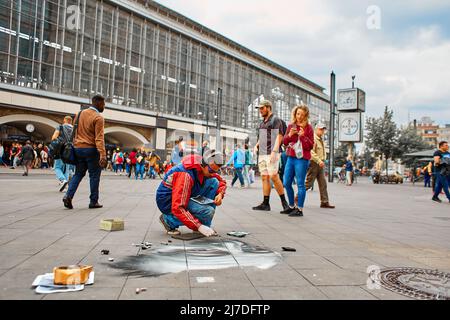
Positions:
{"x": 160, "y": 140}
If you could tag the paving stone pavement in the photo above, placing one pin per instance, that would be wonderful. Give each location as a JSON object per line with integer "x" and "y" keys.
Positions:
{"x": 382, "y": 225}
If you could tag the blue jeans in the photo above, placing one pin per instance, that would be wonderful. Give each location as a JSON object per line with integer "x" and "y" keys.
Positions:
{"x": 88, "y": 159}
{"x": 442, "y": 182}
{"x": 152, "y": 173}
{"x": 140, "y": 170}
{"x": 203, "y": 212}
{"x": 63, "y": 170}
{"x": 298, "y": 168}
{"x": 238, "y": 174}
{"x": 427, "y": 181}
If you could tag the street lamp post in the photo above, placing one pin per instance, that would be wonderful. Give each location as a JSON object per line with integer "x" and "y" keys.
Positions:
{"x": 332, "y": 125}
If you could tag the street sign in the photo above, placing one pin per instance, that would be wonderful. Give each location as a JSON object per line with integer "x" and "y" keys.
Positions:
{"x": 351, "y": 100}
{"x": 350, "y": 127}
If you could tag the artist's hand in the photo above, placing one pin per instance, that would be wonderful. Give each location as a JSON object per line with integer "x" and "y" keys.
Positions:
{"x": 218, "y": 199}
{"x": 103, "y": 162}
{"x": 302, "y": 132}
{"x": 206, "y": 231}
{"x": 321, "y": 164}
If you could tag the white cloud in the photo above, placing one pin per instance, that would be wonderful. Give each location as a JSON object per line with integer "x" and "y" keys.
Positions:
{"x": 404, "y": 65}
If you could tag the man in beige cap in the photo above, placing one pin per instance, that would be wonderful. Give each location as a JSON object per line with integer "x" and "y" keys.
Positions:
{"x": 317, "y": 166}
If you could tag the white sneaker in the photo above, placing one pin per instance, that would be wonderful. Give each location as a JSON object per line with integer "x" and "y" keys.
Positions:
{"x": 63, "y": 185}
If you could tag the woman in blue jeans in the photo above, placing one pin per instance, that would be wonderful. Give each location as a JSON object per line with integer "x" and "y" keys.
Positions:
{"x": 297, "y": 164}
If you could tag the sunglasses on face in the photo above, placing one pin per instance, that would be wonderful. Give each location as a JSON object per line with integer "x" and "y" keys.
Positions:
{"x": 211, "y": 170}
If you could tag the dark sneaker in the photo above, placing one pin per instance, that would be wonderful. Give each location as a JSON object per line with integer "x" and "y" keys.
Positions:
{"x": 67, "y": 203}
{"x": 64, "y": 185}
{"x": 287, "y": 210}
{"x": 326, "y": 205}
{"x": 262, "y": 207}
{"x": 296, "y": 213}
{"x": 169, "y": 231}
{"x": 436, "y": 199}
{"x": 95, "y": 205}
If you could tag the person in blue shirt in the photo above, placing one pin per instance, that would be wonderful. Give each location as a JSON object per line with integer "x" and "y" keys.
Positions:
{"x": 238, "y": 161}
{"x": 177, "y": 152}
{"x": 442, "y": 171}
{"x": 349, "y": 170}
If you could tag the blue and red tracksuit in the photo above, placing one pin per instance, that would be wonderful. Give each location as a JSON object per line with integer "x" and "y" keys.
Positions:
{"x": 179, "y": 184}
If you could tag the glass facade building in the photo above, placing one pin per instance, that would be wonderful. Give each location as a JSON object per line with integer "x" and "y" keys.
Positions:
{"x": 119, "y": 49}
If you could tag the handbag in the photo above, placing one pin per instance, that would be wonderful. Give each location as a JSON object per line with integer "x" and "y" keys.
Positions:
{"x": 68, "y": 150}
{"x": 298, "y": 149}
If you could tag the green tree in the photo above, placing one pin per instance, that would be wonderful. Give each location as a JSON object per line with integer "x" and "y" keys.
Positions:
{"x": 408, "y": 141}
{"x": 382, "y": 133}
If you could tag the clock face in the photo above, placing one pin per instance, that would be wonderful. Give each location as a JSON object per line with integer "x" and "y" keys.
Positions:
{"x": 347, "y": 99}
{"x": 30, "y": 127}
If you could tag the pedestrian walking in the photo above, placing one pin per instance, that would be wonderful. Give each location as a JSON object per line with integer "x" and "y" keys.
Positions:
{"x": 63, "y": 171}
{"x": 119, "y": 162}
{"x": 316, "y": 168}
{"x": 205, "y": 147}
{"x": 89, "y": 143}
{"x": 427, "y": 171}
{"x": 268, "y": 148}
{"x": 299, "y": 141}
{"x": 26, "y": 157}
{"x": 140, "y": 163}
{"x": 442, "y": 171}
{"x": 177, "y": 152}
{"x": 349, "y": 170}
{"x": 248, "y": 164}
{"x": 238, "y": 161}
{"x": 44, "y": 159}
{"x": 2, "y": 154}
{"x": 132, "y": 162}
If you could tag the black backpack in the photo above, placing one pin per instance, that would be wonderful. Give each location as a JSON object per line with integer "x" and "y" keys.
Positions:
{"x": 54, "y": 148}
{"x": 68, "y": 150}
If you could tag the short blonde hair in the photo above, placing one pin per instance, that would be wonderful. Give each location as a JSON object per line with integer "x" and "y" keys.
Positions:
{"x": 68, "y": 119}
{"x": 294, "y": 112}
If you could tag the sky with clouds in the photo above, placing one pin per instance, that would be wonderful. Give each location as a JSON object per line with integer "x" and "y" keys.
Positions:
{"x": 405, "y": 63}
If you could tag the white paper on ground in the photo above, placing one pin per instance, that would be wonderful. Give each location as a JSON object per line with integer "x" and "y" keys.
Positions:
{"x": 44, "y": 284}
{"x": 47, "y": 290}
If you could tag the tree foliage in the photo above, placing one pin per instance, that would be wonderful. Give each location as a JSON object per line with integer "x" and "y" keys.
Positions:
{"x": 383, "y": 137}
{"x": 382, "y": 133}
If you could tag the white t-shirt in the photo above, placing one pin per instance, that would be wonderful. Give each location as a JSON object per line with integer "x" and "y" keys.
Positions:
{"x": 44, "y": 156}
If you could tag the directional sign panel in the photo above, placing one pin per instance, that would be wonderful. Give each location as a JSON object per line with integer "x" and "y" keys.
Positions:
{"x": 350, "y": 127}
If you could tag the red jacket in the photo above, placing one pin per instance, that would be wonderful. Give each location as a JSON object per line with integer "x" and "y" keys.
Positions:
{"x": 307, "y": 141}
{"x": 132, "y": 157}
{"x": 179, "y": 185}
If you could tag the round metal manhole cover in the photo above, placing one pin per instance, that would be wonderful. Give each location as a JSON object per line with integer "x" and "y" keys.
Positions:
{"x": 423, "y": 284}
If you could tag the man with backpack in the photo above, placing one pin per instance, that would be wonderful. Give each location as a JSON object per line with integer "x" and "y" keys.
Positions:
{"x": 270, "y": 136}
{"x": 63, "y": 171}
